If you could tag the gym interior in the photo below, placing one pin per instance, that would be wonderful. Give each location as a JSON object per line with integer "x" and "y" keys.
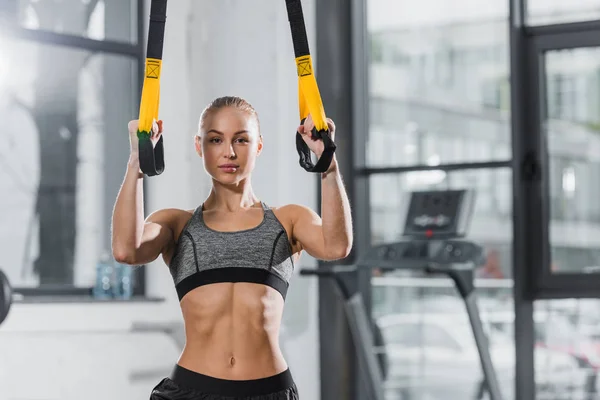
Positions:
{"x": 465, "y": 138}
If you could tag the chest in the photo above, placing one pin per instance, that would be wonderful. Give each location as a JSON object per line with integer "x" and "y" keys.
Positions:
{"x": 233, "y": 222}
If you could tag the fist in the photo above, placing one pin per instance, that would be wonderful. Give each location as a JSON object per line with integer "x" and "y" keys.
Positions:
{"x": 315, "y": 145}
{"x": 132, "y": 127}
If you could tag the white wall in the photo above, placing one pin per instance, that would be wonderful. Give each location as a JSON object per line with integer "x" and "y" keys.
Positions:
{"x": 212, "y": 48}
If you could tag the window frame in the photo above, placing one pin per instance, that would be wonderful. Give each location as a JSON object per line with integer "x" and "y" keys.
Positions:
{"x": 539, "y": 41}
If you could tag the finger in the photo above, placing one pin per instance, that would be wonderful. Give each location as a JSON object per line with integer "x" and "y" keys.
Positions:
{"x": 300, "y": 129}
{"x": 160, "y": 126}
{"x": 331, "y": 125}
{"x": 132, "y": 126}
{"x": 155, "y": 133}
{"x": 308, "y": 124}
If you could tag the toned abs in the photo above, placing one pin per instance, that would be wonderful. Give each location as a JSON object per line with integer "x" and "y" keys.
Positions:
{"x": 232, "y": 329}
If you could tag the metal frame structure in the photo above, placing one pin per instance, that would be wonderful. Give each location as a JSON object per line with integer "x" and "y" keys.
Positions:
{"x": 136, "y": 51}
{"x": 344, "y": 34}
{"x": 552, "y": 285}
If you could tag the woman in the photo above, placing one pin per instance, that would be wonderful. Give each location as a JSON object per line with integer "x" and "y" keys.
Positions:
{"x": 231, "y": 259}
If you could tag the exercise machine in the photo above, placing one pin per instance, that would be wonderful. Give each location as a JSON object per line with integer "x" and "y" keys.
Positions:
{"x": 435, "y": 225}
{"x": 5, "y": 297}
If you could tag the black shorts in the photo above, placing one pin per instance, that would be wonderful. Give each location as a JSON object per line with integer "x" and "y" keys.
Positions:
{"x": 184, "y": 384}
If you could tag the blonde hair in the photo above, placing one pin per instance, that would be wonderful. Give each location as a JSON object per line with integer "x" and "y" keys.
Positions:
{"x": 227, "y": 101}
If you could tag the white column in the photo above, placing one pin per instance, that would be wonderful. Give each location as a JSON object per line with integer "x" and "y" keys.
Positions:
{"x": 242, "y": 48}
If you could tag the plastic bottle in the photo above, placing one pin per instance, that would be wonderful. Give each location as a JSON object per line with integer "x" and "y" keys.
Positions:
{"x": 104, "y": 278}
{"x": 123, "y": 288}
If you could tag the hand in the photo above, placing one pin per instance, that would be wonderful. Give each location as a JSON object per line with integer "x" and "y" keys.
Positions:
{"x": 157, "y": 129}
{"x": 316, "y": 146}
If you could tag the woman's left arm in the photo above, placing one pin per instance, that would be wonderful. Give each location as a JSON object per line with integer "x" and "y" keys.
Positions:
{"x": 328, "y": 237}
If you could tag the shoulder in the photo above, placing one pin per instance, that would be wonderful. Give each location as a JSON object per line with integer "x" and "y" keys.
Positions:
{"x": 296, "y": 213}
{"x": 168, "y": 215}
{"x": 174, "y": 219}
{"x": 171, "y": 218}
{"x": 296, "y": 218}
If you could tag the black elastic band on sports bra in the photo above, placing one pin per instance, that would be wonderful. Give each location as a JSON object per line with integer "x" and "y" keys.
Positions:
{"x": 231, "y": 274}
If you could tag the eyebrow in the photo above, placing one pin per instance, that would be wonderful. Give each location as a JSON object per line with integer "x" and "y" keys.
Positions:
{"x": 221, "y": 133}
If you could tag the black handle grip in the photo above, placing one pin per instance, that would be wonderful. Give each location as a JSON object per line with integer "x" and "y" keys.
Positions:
{"x": 305, "y": 154}
{"x": 152, "y": 159}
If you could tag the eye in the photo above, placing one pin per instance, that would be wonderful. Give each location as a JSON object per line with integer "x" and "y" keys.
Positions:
{"x": 215, "y": 140}
{"x": 242, "y": 140}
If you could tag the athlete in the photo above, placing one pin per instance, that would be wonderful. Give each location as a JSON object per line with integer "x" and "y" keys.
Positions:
{"x": 231, "y": 258}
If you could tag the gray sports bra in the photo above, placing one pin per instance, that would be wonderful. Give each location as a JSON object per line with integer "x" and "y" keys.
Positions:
{"x": 261, "y": 254}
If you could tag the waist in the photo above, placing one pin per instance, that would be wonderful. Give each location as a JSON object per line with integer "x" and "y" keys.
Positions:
{"x": 232, "y": 362}
{"x": 236, "y": 388}
{"x": 233, "y": 351}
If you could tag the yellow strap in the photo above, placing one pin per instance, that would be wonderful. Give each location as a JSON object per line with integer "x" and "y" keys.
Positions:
{"x": 309, "y": 98}
{"x": 150, "y": 101}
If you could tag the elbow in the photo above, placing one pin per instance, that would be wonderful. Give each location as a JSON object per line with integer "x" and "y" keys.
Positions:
{"x": 123, "y": 256}
{"x": 340, "y": 252}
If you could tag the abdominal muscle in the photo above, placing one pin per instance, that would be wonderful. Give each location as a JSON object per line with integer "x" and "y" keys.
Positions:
{"x": 232, "y": 331}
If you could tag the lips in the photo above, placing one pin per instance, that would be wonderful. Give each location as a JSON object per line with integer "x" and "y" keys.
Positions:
{"x": 228, "y": 167}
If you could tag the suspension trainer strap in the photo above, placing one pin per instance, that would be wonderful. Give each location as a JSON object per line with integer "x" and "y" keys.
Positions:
{"x": 152, "y": 156}
{"x": 309, "y": 98}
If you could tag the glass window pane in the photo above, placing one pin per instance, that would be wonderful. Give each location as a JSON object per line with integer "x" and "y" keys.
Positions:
{"x": 66, "y": 149}
{"x": 573, "y": 131}
{"x": 567, "y": 348}
{"x": 95, "y": 19}
{"x": 439, "y": 86}
{"x": 493, "y": 206}
{"x": 440, "y": 360}
{"x": 545, "y": 12}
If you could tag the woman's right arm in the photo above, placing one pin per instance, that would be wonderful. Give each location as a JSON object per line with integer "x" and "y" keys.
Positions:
{"x": 137, "y": 241}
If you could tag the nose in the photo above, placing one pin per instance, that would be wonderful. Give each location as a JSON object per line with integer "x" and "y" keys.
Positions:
{"x": 229, "y": 152}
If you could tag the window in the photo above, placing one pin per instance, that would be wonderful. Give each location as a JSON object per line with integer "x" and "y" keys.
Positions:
{"x": 563, "y": 103}
{"x": 452, "y": 86}
{"x": 65, "y": 111}
{"x": 114, "y": 20}
{"x": 406, "y": 335}
{"x": 574, "y": 162}
{"x": 449, "y": 103}
{"x": 435, "y": 336}
{"x": 543, "y": 12}
{"x": 418, "y": 335}
{"x": 492, "y": 215}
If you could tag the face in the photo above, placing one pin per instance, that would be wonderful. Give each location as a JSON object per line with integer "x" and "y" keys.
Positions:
{"x": 229, "y": 143}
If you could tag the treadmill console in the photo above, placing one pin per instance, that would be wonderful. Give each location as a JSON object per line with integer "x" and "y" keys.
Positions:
{"x": 439, "y": 214}
{"x": 415, "y": 254}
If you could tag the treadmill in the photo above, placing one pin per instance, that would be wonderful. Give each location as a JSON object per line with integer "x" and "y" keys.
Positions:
{"x": 435, "y": 225}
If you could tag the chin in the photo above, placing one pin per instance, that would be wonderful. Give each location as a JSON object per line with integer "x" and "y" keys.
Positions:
{"x": 228, "y": 179}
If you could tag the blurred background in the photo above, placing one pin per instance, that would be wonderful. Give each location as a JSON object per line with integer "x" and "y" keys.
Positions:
{"x": 427, "y": 95}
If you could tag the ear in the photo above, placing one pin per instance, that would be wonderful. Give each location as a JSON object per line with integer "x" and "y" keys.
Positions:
{"x": 198, "y": 144}
{"x": 260, "y": 145}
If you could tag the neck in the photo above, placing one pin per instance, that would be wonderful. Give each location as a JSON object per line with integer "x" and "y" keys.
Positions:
{"x": 231, "y": 198}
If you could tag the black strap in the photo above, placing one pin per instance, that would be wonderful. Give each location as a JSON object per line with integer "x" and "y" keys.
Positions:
{"x": 298, "y": 27}
{"x": 151, "y": 156}
{"x": 307, "y": 79}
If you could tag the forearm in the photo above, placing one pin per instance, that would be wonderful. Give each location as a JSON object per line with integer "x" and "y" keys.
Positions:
{"x": 128, "y": 213}
{"x": 335, "y": 213}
